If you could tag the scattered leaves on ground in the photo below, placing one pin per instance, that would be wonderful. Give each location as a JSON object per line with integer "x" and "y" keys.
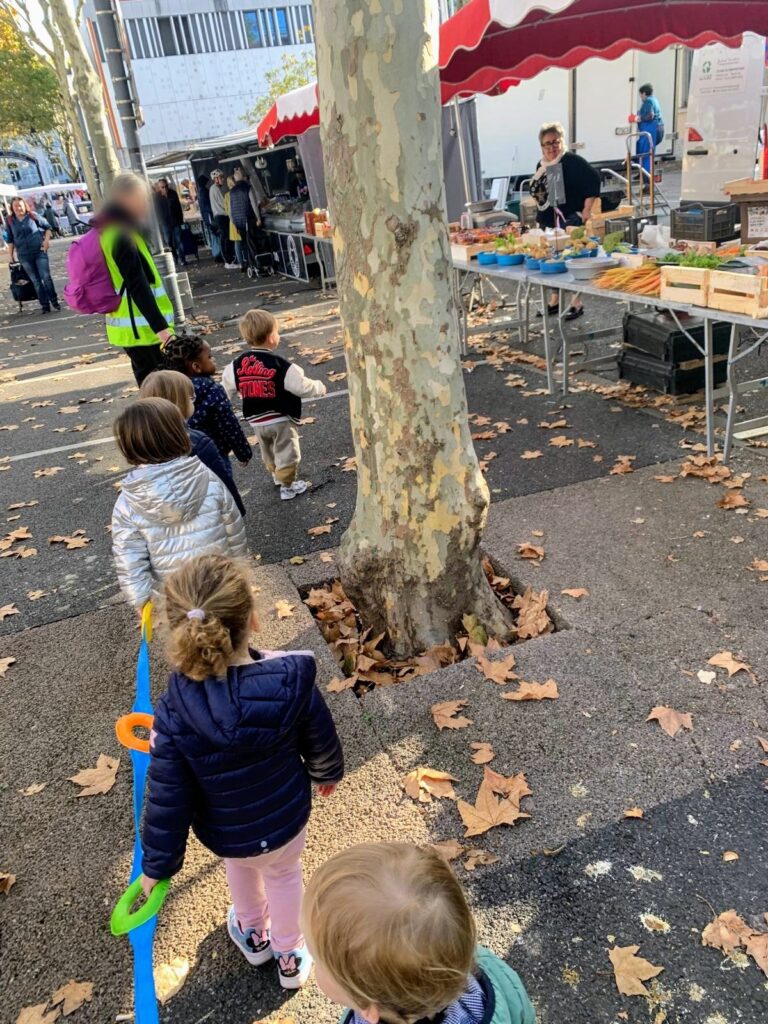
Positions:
{"x": 7, "y": 881}
{"x": 477, "y": 858}
{"x": 316, "y": 531}
{"x": 446, "y": 715}
{"x": 730, "y": 932}
{"x": 671, "y": 721}
{"x": 575, "y": 592}
{"x": 530, "y": 454}
{"x": 37, "y": 1015}
{"x": 170, "y": 977}
{"x": 7, "y": 610}
{"x": 496, "y": 671}
{"x": 34, "y": 789}
{"x": 533, "y": 691}
{"x": 73, "y": 542}
{"x": 533, "y": 619}
{"x": 5, "y": 664}
{"x": 634, "y": 812}
{"x": 284, "y": 608}
{"x": 631, "y": 970}
{"x": 49, "y": 471}
{"x": 423, "y": 783}
{"x": 726, "y": 660}
{"x": 623, "y": 465}
{"x": 448, "y": 849}
{"x": 98, "y": 780}
{"x": 532, "y": 552}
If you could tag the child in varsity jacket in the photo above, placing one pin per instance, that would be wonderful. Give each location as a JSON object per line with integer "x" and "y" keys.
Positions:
{"x": 271, "y": 389}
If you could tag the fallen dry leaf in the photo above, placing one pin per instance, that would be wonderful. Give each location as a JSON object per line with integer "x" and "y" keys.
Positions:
{"x": 5, "y": 664}
{"x": 488, "y": 810}
{"x": 554, "y": 424}
{"x": 297, "y": 560}
{"x": 37, "y": 1015}
{"x": 531, "y": 455}
{"x": 36, "y": 787}
{"x": 665, "y": 479}
{"x": 575, "y": 592}
{"x": 423, "y": 783}
{"x": 72, "y": 996}
{"x": 623, "y": 465}
{"x": 532, "y": 552}
{"x": 315, "y": 531}
{"x": 8, "y": 609}
{"x": 671, "y": 721}
{"x": 284, "y": 609}
{"x": 723, "y": 659}
{"x": 729, "y": 856}
{"x": 6, "y": 883}
{"x": 337, "y": 685}
{"x": 49, "y": 471}
{"x": 582, "y": 443}
{"x": 733, "y": 499}
{"x": 631, "y": 970}
{"x": 729, "y": 932}
{"x": 533, "y": 691}
{"x": 476, "y": 858}
{"x": 446, "y": 715}
{"x": 73, "y": 542}
{"x": 170, "y": 977}
{"x": 634, "y": 812}
{"x": 97, "y": 780}
{"x": 561, "y": 441}
{"x": 496, "y": 671}
{"x": 448, "y": 849}
{"x": 483, "y": 753}
{"x": 532, "y": 616}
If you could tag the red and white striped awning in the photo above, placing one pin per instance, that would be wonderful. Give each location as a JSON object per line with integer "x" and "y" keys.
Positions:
{"x": 490, "y": 45}
{"x": 292, "y": 114}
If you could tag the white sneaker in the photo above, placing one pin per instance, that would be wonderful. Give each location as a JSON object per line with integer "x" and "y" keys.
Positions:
{"x": 294, "y": 967}
{"x": 290, "y": 492}
{"x": 231, "y": 266}
{"x": 255, "y": 946}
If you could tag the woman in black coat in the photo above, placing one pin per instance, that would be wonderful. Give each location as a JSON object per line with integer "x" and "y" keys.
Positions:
{"x": 565, "y": 187}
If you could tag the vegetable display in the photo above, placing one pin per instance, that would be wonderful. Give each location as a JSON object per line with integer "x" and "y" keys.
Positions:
{"x": 645, "y": 280}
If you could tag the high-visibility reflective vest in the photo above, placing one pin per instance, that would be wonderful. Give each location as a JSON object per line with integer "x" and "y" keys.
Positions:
{"x": 126, "y": 326}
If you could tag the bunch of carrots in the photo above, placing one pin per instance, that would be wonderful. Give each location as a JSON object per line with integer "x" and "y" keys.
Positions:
{"x": 645, "y": 280}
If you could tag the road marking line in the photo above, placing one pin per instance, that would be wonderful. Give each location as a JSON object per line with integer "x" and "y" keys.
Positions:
{"x": 106, "y": 440}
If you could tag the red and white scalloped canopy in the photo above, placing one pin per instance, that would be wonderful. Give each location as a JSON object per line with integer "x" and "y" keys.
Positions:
{"x": 490, "y": 45}
{"x": 292, "y": 114}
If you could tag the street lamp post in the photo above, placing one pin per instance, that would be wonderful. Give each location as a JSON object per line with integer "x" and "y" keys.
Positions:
{"x": 112, "y": 37}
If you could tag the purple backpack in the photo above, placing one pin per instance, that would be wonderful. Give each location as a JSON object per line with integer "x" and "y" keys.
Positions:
{"x": 90, "y": 288}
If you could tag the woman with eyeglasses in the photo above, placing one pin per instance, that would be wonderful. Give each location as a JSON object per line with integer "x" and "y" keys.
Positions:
{"x": 565, "y": 187}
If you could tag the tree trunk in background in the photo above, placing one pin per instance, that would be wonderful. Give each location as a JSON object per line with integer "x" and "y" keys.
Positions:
{"x": 410, "y": 559}
{"x": 88, "y": 90}
{"x": 75, "y": 128}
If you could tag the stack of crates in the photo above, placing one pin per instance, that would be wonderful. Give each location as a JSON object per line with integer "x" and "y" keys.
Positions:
{"x": 701, "y": 222}
{"x": 657, "y": 354}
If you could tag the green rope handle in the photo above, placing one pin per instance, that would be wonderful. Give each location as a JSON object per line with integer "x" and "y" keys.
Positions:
{"x": 123, "y": 920}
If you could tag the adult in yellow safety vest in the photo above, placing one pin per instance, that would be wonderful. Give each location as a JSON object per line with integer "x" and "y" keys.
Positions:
{"x": 143, "y": 322}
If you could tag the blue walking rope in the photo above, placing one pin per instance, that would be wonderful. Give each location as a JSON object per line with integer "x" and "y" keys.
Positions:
{"x": 140, "y": 925}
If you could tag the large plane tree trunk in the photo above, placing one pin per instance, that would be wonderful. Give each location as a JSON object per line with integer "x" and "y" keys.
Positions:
{"x": 410, "y": 559}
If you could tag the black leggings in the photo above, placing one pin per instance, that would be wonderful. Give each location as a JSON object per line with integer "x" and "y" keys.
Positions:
{"x": 144, "y": 359}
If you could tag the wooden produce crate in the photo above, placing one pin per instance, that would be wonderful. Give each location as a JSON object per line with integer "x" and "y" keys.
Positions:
{"x": 468, "y": 252}
{"x": 738, "y": 293}
{"x": 685, "y": 284}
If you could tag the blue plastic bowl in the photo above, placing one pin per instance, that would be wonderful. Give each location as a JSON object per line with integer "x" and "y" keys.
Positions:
{"x": 553, "y": 267}
{"x": 510, "y": 259}
{"x": 486, "y": 257}
{"x": 531, "y": 263}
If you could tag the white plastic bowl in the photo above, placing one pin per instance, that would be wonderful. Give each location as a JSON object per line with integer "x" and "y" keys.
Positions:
{"x": 585, "y": 269}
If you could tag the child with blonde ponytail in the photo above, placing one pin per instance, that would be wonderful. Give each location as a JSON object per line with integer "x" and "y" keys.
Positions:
{"x": 238, "y": 739}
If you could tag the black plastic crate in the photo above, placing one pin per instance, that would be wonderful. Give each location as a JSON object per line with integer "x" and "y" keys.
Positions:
{"x": 669, "y": 378}
{"x": 698, "y": 222}
{"x": 631, "y": 226}
{"x": 657, "y": 334}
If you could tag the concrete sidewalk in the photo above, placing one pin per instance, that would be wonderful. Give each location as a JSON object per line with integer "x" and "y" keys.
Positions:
{"x": 570, "y": 880}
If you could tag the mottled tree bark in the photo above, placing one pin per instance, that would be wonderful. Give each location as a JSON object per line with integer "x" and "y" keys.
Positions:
{"x": 410, "y": 559}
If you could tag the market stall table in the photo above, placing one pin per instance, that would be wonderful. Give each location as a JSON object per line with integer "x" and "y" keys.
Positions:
{"x": 565, "y": 283}
{"x": 291, "y": 260}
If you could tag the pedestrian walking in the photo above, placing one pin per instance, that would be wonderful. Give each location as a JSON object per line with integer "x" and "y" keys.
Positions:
{"x": 178, "y": 388}
{"x": 214, "y": 415}
{"x": 394, "y": 941}
{"x": 238, "y": 739}
{"x": 171, "y": 507}
{"x": 50, "y": 215}
{"x": 70, "y": 212}
{"x": 29, "y": 238}
{"x": 170, "y": 216}
{"x": 649, "y": 122}
{"x": 221, "y": 219}
{"x": 234, "y": 235}
{"x": 271, "y": 389}
{"x": 204, "y": 202}
{"x": 143, "y": 320}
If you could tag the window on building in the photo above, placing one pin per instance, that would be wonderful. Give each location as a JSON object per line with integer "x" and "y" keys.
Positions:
{"x": 196, "y": 34}
{"x": 167, "y": 38}
{"x": 253, "y": 33}
{"x": 57, "y": 167}
{"x": 304, "y": 19}
{"x": 227, "y": 30}
{"x": 146, "y": 37}
{"x": 283, "y": 28}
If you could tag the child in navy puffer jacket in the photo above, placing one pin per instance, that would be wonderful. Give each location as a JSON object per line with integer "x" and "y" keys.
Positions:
{"x": 237, "y": 741}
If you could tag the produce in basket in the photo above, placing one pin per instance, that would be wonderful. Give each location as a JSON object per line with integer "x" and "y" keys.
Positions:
{"x": 645, "y": 280}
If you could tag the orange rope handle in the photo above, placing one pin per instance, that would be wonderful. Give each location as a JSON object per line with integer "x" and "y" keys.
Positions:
{"x": 125, "y": 726}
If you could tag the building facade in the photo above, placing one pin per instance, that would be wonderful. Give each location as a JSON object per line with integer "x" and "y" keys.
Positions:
{"x": 199, "y": 65}
{"x": 34, "y": 160}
